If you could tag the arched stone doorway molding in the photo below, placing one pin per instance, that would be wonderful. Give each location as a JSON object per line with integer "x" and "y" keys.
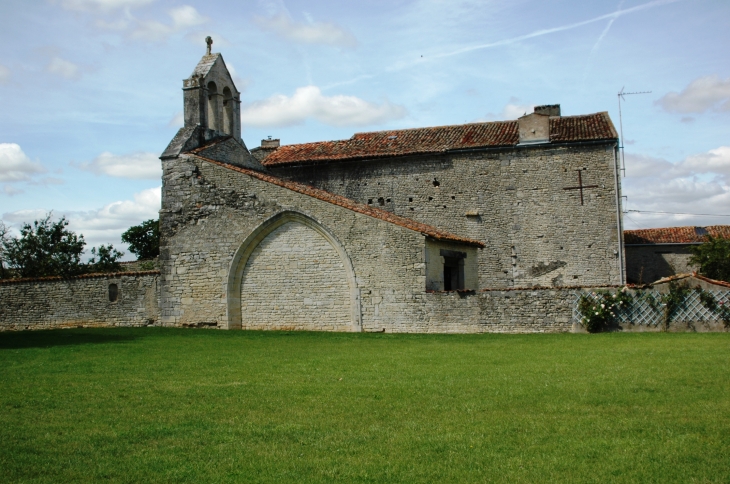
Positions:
{"x": 235, "y": 280}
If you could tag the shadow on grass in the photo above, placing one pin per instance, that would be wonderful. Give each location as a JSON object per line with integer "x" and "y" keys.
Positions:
{"x": 49, "y": 338}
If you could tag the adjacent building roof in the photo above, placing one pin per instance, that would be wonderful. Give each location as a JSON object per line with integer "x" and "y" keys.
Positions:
{"x": 675, "y": 235}
{"x": 426, "y": 230}
{"x": 379, "y": 144}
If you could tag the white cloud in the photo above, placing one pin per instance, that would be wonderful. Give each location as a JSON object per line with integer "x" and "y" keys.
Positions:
{"x": 63, "y": 68}
{"x": 714, "y": 161}
{"x": 139, "y": 166}
{"x": 514, "y": 111}
{"x": 699, "y": 184}
{"x": 308, "y": 102}
{"x": 114, "y": 25}
{"x": 11, "y": 190}
{"x": 104, "y": 225}
{"x": 183, "y": 18}
{"x": 101, "y": 5}
{"x": 702, "y": 94}
{"x": 311, "y": 33}
{"x": 15, "y": 165}
{"x": 4, "y": 74}
{"x": 177, "y": 121}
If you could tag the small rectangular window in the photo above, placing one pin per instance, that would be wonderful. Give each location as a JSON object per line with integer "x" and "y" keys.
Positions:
{"x": 113, "y": 292}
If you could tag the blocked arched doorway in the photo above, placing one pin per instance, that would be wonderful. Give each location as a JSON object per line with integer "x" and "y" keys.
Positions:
{"x": 292, "y": 273}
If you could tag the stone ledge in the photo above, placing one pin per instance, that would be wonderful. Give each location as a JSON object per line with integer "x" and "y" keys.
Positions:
{"x": 96, "y": 275}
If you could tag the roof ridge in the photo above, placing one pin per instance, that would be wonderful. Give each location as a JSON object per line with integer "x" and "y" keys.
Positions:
{"x": 430, "y": 127}
{"x": 596, "y": 127}
{"x": 347, "y": 203}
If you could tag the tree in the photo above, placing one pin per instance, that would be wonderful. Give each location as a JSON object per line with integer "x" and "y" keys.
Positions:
{"x": 45, "y": 248}
{"x": 4, "y": 238}
{"x": 713, "y": 258}
{"x": 105, "y": 258}
{"x": 144, "y": 239}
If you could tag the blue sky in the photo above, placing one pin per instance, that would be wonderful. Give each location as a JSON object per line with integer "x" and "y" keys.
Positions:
{"x": 91, "y": 89}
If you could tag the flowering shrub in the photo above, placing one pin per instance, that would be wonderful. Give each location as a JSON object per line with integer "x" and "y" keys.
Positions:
{"x": 599, "y": 310}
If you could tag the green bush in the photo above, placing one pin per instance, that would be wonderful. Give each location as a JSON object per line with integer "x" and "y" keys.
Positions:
{"x": 713, "y": 258}
{"x": 599, "y": 310}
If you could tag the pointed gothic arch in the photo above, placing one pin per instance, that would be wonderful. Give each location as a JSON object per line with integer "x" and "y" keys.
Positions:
{"x": 242, "y": 256}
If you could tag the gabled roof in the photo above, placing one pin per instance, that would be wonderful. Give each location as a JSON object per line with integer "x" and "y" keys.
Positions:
{"x": 379, "y": 144}
{"x": 205, "y": 65}
{"x": 675, "y": 235}
{"x": 426, "y": 230}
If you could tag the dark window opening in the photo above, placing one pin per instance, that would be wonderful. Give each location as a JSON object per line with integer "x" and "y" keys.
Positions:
{"x": 370, "y": 201}
{"x": 388, "y": 200}
{"x": 381, "y": 201}
{"x": 436, "y": 182}
{"x": 113, "y": 292}
{"x": 430, "y": 198}
{"x": 453, "y": 273}
{"x": 410, "y": 199}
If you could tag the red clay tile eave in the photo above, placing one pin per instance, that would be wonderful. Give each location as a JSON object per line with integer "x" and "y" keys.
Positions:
{"x": 426, "y": 230}
{"x": 673, "y": 235}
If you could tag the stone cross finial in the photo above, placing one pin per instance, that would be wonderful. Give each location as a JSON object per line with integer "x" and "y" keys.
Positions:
{"x": 209, "y": 41}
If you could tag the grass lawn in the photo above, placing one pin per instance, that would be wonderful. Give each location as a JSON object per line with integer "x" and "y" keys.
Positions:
{"x": 169, "y": 405}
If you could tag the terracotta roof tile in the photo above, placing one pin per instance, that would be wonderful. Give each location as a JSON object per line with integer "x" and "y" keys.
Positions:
{"x": 675, "y": 235}
{"x": 439, "y": 139}
{"x": 349, "y": 204}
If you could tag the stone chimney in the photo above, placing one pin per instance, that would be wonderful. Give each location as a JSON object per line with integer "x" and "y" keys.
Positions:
{"x": 535, "y": 128}
{"x": 549, "y": 109}
{"x": 270, "y": 144}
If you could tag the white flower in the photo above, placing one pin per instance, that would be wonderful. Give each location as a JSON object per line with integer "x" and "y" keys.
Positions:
{"x": 596, "y": 314}
{"x": 603, "y": 305}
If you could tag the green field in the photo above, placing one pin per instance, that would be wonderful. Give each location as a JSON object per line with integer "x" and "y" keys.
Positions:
{"x": 170, "y": 405}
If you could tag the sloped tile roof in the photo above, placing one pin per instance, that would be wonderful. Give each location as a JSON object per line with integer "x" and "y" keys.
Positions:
{"x": 675, "y": 235}
{"x": 349, "y": 204}
{"x": 439, "y": 139}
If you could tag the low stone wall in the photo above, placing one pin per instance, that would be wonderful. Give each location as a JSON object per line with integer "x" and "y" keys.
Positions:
{"x": 92, "y": 300}
{"x": 496, "y": 311}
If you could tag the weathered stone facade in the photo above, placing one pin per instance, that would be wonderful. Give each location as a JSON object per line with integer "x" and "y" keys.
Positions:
{"x": 513, "y": 200}
{"x": 120, "y": 299}
{"x": 392, "y": 231}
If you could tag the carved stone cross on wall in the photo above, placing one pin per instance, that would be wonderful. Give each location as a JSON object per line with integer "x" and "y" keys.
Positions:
{"x": 209, "y": 43}
{"x": 580, "y": 186}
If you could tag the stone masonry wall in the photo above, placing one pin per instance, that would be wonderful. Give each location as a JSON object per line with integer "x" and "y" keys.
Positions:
{"x": 209, "y": 211}
{"x": 80, "y": 301}
{"x": 648, "y": 263}
{"x": 294, "y": 279}
{"x": 513, "y": 199}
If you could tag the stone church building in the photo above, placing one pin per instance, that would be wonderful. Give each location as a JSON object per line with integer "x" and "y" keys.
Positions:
{"x": 397, "y": 230}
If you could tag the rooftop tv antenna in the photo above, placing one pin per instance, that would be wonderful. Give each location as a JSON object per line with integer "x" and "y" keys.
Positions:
{"x": 621, "y": 95}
